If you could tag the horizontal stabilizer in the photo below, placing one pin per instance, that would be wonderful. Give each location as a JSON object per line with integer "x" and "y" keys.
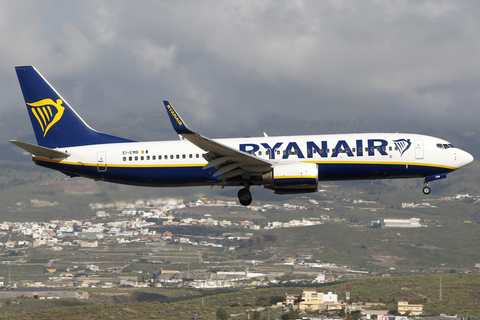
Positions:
{"x": 40, "y": 151}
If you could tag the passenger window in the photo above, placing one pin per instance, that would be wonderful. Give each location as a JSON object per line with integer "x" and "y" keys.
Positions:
{"x": 372, "y": 149}
{"x": 366, "y": 149}
{"x": 384, "y": 148}
{"x": 334, "y": 150}
{"x": 183, "y": 156}
{"x": 259, "y": 153}
{"x": 353, "y": 149}
{"x": 328, "y": 150}
{"x": 129, "y": 158}
{"x": 197, "y": 155}
{"x": 141, "y": 158}
{"x": 347, "y": 150}
{"x": 296, "y": 151}
{"x": 165, "y": 157}
{"x": 124, "y": 158}
{"x": 136, "y": 158}
{"x": 171, "y": 156}
{"x": 190, "y": 156}
{"x": 278, "y": 152}
{"x": 148, "y": 157}
{"x": 284, "y": 152}
{"x": 308, "y": 151}
{"x": 153, "y": 157}
{"x": 267, "y": 152}
{"x": 390, "y": 148}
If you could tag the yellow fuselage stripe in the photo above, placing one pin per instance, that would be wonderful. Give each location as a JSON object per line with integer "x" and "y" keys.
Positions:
{"x": 203, "y": 164}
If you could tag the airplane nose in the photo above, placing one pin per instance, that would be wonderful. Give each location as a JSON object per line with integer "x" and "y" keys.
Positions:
{"x": 464, "y": 158}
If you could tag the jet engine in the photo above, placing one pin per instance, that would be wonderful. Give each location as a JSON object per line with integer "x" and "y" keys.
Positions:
{"x": 292, "y": 178}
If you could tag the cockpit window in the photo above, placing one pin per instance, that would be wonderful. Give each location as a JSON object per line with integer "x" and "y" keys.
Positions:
{"x": 445, "y": 145}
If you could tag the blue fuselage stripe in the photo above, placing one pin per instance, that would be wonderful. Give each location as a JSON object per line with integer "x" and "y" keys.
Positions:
{"x": 166, "y": 176}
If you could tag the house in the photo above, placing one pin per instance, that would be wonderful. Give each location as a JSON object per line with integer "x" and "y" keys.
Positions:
{"x": 405, "y": 308}
{"x": 291, "y": 299}
{"x": 311, "y": 299}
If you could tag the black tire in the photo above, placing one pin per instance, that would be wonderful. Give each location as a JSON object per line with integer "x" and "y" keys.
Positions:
{"x": 245, "y": 197}
{"x": 427, "y": 190}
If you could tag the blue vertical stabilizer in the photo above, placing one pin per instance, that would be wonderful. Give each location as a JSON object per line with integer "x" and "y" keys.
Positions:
{"x": 55, "y": 123}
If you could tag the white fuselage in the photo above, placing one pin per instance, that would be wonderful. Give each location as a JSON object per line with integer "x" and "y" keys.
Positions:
{"x": 338, "y": 156}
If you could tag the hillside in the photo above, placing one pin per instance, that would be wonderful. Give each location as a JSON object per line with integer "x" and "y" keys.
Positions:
{"x": 458, "y": 296}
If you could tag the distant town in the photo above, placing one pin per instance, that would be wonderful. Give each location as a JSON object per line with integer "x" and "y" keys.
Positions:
{"x": 121, "y": 222}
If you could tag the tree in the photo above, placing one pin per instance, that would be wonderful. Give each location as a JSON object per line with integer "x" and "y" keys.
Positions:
{"x": 261, "y": 301}
{"x": 222, "y": 314}
{"x": 274, "y": 299}
{"x": 256, "y": 315}
{"x": 291, "y": 314}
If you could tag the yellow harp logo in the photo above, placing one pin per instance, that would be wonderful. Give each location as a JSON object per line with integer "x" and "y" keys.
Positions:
{"x": 46, "y": 117}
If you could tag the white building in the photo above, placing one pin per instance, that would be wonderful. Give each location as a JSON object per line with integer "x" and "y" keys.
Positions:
{"x": 397, "y": 223}
{"x": 320, "y": 278}
{"x": 330, "y": 297}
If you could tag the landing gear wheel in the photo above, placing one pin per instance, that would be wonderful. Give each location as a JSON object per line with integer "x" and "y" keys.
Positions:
{"x": 426, "y": 190}
{"x": 245, "y": 197}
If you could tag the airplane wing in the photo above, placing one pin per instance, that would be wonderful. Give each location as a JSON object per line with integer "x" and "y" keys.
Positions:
{"x": 229, "y": 162}
{"x": 40, "y": 151}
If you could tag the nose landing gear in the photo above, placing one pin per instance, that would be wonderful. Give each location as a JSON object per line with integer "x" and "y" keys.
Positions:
{"x": 426, "y": 188}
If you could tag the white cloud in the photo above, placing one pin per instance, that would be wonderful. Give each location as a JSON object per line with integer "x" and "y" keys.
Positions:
{"x": 240, "y": 59}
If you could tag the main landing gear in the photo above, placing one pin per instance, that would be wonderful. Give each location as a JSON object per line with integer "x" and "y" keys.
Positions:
{"x": 245, "y": 196}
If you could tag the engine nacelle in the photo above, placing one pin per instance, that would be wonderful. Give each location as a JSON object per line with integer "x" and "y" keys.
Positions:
{"x": 293, "y": 178}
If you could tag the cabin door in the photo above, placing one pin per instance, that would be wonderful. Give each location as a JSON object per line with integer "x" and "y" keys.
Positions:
{"x": 418, "y": 149}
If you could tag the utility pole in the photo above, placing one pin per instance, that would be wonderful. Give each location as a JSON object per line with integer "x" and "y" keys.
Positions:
{"x": 348, "y": 306}
{"x": 440, "y": 288}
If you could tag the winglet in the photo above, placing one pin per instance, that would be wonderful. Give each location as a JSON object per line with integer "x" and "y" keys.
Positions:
{"x": 177, "y": 122}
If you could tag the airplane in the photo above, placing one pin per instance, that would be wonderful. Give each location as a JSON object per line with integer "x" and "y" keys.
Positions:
{"x": 284, "y": 164}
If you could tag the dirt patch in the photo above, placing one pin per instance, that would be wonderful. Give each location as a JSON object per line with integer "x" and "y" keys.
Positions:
{"x": 81, "y": 186}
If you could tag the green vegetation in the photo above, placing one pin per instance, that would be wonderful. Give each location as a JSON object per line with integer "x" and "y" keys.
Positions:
{"x": 459, "y": 293}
